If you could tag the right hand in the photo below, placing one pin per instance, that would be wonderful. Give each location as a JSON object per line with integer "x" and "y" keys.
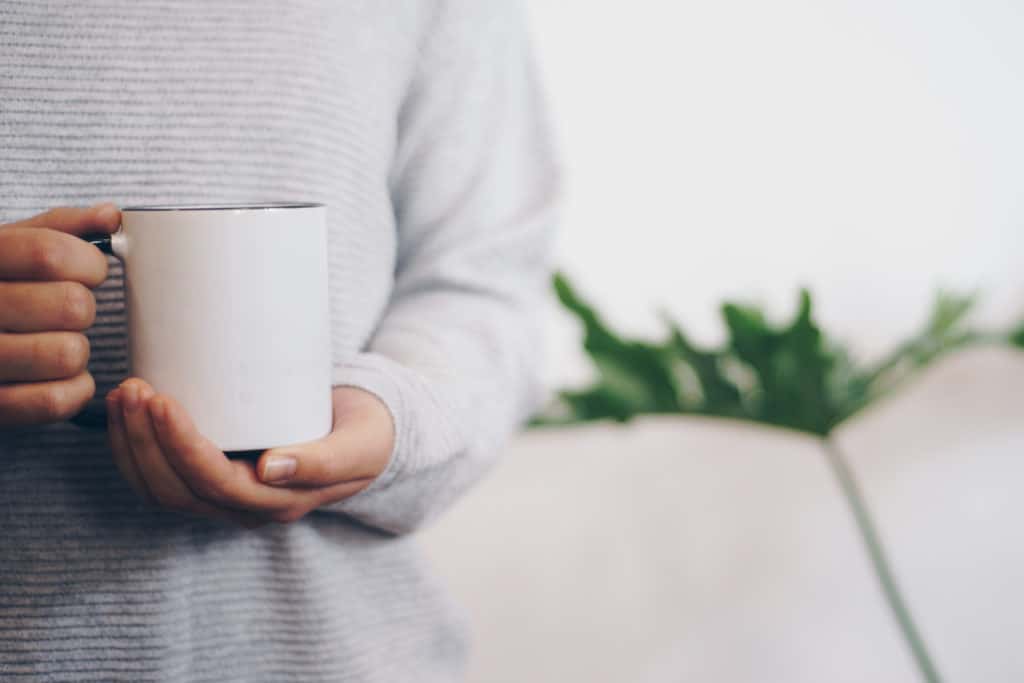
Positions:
{"x": 46, "y": 274}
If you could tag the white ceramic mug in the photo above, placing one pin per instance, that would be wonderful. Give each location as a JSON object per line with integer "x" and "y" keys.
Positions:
{"x": 228, "y": 313}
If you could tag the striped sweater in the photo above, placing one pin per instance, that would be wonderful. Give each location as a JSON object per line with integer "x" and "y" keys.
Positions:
{"x": 419, "y": 124}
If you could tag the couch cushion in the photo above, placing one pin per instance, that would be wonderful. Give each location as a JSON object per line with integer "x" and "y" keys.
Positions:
{"x": 672, "y": 549}
{"x": 942, "y": 467}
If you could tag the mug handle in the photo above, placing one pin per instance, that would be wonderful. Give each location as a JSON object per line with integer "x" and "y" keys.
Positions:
{"x": 94, "y": 415}
{"x": 101, "y": 241}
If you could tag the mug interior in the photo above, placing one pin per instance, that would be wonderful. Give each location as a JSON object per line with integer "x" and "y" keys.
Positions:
{"x": 224, "y": 207}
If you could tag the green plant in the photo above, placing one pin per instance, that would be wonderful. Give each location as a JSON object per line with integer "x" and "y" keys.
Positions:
{"x": 1017, "y": 337}
{"x": 791, "y": 375}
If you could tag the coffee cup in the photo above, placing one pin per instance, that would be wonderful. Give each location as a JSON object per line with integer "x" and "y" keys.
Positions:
{"x": 227, "y": 310}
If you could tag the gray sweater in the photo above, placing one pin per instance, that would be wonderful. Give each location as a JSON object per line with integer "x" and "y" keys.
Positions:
{"x": 419, "y": 124}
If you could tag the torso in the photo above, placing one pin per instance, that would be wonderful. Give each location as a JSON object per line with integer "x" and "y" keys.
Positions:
{"x": 145, "y": 101}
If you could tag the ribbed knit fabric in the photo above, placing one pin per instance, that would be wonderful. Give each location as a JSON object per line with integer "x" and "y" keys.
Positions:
{"x": 419, "y": 124}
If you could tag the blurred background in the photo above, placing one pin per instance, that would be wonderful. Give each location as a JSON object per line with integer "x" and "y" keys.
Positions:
{"x": 871, "y": 151}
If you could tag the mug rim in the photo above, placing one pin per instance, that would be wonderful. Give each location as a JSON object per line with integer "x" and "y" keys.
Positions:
{"x": 261, "y": 206}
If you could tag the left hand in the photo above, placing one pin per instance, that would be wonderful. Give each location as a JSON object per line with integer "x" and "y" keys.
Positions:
{"x": 166, "y": 461}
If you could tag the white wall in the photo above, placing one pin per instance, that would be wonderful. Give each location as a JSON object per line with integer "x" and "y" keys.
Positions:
{"x": 871, "y": 149}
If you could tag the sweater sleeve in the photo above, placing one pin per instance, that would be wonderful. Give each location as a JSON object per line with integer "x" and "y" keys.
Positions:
{"x": 474, "y": 185}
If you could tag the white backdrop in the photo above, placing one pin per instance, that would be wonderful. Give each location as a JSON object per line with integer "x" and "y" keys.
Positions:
{"x": 870, "y": 149}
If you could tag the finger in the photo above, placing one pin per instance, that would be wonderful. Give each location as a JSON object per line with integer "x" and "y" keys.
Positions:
{"x": 120, "y": 449}
{"x": 103, "y": 217}
{"x": 332, "y": 460}
{"x": 311, "y": 499}
{"x": 42, "y": 356}
{"x": 49, "y": 255}
{"x": 35, "y": 403}
{"x": 163, "y": 483}
{"x": 46, "y": 306}
{"x": 210, "y": 473}
{"x": 358, "y": 447}
{"x": 129, "y": 470}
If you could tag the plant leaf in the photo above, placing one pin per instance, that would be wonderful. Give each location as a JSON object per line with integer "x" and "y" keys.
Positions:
{"x": 792, "y": 376}
{"x": 944, "y": 331}
{"x": 719, "y": 396}
{"x": 1017, "y": 338}
{"x": 792, "y": 366}
{"x": 633, "y": 377}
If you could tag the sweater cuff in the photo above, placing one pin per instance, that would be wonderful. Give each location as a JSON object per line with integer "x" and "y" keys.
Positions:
{"x": 380, "y": 376}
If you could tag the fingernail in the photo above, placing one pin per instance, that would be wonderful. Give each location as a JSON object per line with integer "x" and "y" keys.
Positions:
{"x": 279, "y": 468}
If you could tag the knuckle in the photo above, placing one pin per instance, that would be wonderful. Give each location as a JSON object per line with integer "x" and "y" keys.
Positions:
{"x": 316, "y": 466}
{"x": 39, "y": 353}
{"x": 71, "y": 354}
{"x": 78, "y": 306}
{"x": 60, "y": 400}
{"x": 55, "y": 402}
{"x": 88, "y": 390}
{"x": 48, "y": 256}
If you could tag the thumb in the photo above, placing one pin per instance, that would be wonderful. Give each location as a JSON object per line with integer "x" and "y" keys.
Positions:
{"x": 104, "y": 217}
{"x": 357, "y": 449}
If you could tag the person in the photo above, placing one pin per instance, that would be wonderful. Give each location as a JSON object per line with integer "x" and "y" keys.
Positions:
{"x": 143, "y": 553}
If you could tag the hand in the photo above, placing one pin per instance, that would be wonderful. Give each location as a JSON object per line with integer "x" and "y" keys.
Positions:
{"x": 45, "y": 303}
{"x": 166, "y": 461}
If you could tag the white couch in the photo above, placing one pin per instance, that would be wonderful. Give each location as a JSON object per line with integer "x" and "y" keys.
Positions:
{"x": 688, "y": 549}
